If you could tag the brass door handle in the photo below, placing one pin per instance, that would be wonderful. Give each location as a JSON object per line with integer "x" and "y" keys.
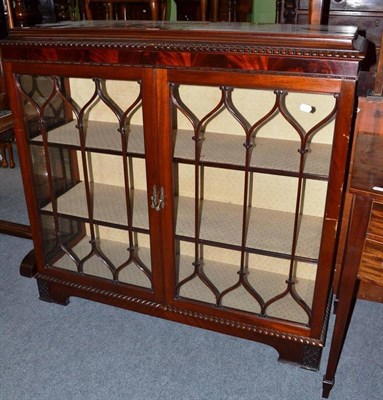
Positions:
{"x": 157, "y": 198}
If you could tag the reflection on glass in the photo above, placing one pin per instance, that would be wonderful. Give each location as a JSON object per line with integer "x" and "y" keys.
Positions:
{"x": 87, "y": 151}
{"x": 251, "y": 169}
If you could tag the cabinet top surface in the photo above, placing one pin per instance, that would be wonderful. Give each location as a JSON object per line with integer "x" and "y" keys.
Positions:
{"x": 342, "y": 37}
{"x": 318, "y": 50}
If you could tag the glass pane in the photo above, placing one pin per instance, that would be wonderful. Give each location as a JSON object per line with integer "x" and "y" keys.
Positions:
{"x": 251, "y": 170}
{"x": 108, "y": 256}
{"x": 90, "y": 175}
{"x": 217, "y": 282}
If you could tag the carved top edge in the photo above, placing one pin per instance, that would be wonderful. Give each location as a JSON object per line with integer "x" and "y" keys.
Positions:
{"x": 198, "y": 47}
{"x": 160, "y": 33}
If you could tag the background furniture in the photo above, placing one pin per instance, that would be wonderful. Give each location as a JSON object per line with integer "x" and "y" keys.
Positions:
{"x": 22, "y": 13}
{"x": 7, "y": 137}
{"x": 138, "y": 204}
{"x": 6, "y": 121}
{"x": 214, "y": 10}
{"x": 126, "y": 9}
{"x": 288, "y": 11}
{"x": 367, "y": 15}
{"x": 363, "y": 258}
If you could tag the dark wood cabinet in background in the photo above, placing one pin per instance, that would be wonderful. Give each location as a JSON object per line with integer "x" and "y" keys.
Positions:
{"x": 227, "y": 10}
{"x": 362, "y": 264}
{"x": 367, "y": 15}
{"x": 188, "y": 172}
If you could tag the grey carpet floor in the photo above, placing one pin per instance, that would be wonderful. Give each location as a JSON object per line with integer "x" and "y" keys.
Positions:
{"x": 12, "y": 201}
{"x": 91, "y": 351}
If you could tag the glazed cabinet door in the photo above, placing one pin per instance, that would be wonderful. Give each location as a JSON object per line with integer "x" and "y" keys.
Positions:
{"x": 255, "y": 205}
{"x": 88, "y": 149}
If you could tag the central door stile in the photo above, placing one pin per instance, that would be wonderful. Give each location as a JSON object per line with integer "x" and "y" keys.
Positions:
{"x": 155, "y": 114}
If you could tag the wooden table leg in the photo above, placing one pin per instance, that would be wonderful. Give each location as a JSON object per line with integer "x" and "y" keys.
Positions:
{"x": 356, "y": 235}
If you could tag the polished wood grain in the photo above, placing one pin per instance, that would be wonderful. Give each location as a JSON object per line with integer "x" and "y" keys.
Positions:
{"x": 241, "y": 33}
{"x": 243, "y": 48}
{"x": 362, "y": 260}
{"x": 356, "y": 236}
{"x": 367, "y": 161}
{"x": 15, "y": 229}
{"x": 371, "y": 264}
{"x": 375, "y": 226}
{"x": 316, "y": 11}
{"x": 276, "y": 58}
{"x": 366, "y": 172}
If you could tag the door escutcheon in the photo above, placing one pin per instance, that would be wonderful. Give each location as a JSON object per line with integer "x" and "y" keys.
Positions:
{"x": 157, "y": 198}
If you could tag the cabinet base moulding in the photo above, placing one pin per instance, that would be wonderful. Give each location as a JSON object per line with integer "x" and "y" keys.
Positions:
{"x": 293, "y": 349}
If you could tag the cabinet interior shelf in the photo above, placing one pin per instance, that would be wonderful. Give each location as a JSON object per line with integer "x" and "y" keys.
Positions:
{"x": 109, "y": 207}
{"x": 117, "y": 253}
{"x": 273, "y": 156}
{"x": 268, "y": 284}
{"x": 104, "y": 138}
{"x": 269, "y": 232}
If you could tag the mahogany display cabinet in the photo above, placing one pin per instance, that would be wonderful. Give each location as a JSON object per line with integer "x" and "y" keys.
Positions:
{"x": 190, "y": 171}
